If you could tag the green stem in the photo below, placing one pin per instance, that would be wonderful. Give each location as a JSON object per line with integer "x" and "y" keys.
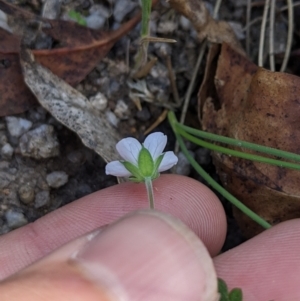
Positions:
{"x": 149, "y": 187}
{"x": 179, "y": 128}
{"x": 239, "y": 143}
{"x": 141, "y": 57}
{"x": 235, "y": 153}
{"x": 214, "y": 184}
{"x": 146, "y": 12}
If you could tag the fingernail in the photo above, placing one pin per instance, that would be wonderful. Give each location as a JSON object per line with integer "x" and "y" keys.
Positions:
{"x": 149, "y": 256}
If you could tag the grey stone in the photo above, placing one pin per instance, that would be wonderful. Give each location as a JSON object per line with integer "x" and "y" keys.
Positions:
{"x": 42, "y": 198}
{"x": 122, "y": 110}
{"x": 51, "y": 9}
{"x": 112, "y": 118}
{"x": 15, "y": 219}
{"x": 17, "y": 126}
{"x": 39, "y": 143}
{"x": 26, "y": 193}
{"x": 144, "y": 114}
{"x": 5, "y": 179}
{"x": 7, "y": 151}
{"x": 57, "y": 179}
{"x": 95, "y": 21}
{"x": 122, "y": 8}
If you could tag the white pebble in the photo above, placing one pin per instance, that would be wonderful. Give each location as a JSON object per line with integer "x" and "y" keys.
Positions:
{"x": 99, "y": 101}
{"x": 7, "y": 151}
{"x": 121, "y": 110}
{"x": 17, "y": 126}
{"x": 57, "y": 179}
{"x": 15, "y": 219}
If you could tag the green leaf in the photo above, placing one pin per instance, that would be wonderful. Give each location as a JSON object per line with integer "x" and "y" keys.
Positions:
{"x": 145, "y": 163}
{"x": 236, "y": 294}
{"x": 77, "y": 17}
{"x": 223, "y": 290}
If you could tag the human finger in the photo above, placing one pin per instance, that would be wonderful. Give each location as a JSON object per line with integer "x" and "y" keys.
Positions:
{"x": 267, "y": 267}
{"x": 147, "y": 255}
{"x": 183, "y": 197}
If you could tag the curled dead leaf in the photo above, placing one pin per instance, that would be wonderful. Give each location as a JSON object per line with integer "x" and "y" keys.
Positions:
{"x": 70, "y": 108}
{"x": 263, "y": 107}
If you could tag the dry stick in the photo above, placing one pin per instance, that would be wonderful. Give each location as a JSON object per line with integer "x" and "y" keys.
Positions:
{"x": 248, "y": 18}
{"x": 290, "y": 35}
{"x": 173, "y": 81}
{"x": 158, "y": 121}
{"x": 258, "y": 19}
{"x": 196, "y": 69}
{"x": 271, "y": 37}
{"x": 262, "y": 34}
{"x": 287, "y": 6}
{"x": 194, "y": 76}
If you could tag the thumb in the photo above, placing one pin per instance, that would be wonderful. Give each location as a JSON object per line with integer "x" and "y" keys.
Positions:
{"x": 146, "y": 255}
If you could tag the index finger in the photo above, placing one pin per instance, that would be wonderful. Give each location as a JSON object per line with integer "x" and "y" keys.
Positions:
{"x": 183, "y": 197}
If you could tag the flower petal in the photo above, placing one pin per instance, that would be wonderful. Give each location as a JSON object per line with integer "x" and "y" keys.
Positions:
{"x": 168, "y": 161}
{"x": 116, "y": 168}
{"x": 156, "y": 143}
{"x": 129, "y": 149}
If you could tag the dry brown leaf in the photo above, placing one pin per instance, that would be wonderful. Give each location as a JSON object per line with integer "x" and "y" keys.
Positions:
{"x": 70, "y": 108}
{"x": 81, "y": 50}
{"x": 215, "y": 31}
{"x": 259, "y": 106}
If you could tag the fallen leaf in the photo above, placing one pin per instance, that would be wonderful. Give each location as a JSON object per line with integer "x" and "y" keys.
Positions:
{"x": 81, "y": 50}
{"x": 70, "y": 108}
{"x": 259, "y": 106}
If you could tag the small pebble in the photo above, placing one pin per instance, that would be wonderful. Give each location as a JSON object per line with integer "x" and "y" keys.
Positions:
{"x": 95, "y": 21}
{"x": 17, "y": 126}
{"x": 185, "y": 23}
{"x": 39, "y": 143}
{"x": 42, "y": 198}
{"x": 26, "y": 193}
{"x": 143, "y": 115}
{"x": 112, "y": 118}
{"x": 5, "y": 179}
{"x": 183, "y": 166}
{"x": 15, "y": 219}
{"x": 99, "y": 101}
{"x": 7, "y": 151}
{"x": 122, "y": 8}
{"x": 51, "y": 9}
{"x": 122, "y": 110}
{"x": 166, "y": 27}
{"x": 57, "y": 179}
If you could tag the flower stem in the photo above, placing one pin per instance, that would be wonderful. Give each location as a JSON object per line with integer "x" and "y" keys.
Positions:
{"x": 149, "y": 187}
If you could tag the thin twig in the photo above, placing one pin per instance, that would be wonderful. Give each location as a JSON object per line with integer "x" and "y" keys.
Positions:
{"x": 271, "y": 37}
{"x": 262, "y": 34}
{"x": 158, "y": 121}
{"x": 173, "y": 81}
{"x": 248, "y": 19}
{"x": 216, "y": 9}
{"x": 290, "y": 35}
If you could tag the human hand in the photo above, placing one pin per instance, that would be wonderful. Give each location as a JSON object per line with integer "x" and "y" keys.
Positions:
{"x": 266, "y": 267}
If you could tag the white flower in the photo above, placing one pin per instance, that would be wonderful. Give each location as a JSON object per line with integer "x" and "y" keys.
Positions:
{"x": 142, "y": 161}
